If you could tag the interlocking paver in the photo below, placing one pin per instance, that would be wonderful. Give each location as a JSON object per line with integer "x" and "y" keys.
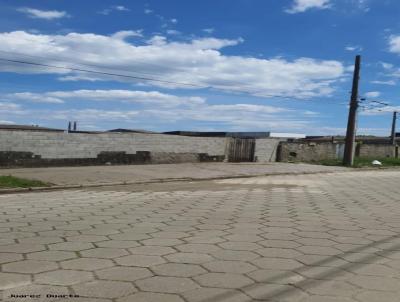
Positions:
{"x": 152, "y": 250}
{"x": 140, "y": 260}
{"x": 151, "y": 297}
{"x": 195, "y": 258}
{"x": 52, "y": 255}
{"x": 178, "y": 270}
{"x": 223, "y": 280}
{"x": 225, "y": 266}
{"x": 109, "y": 253}
{"x": 11, "y": 280}
{"x": 63, "y": 277}
{"x": 166, "y": 284}
{"x": 124, "y": 273}
{"x": 10, "y": 257}
{"x": 29, "y": 266}
{"x": 104, "y": 289}
{"x": 87, "y": 264}
{"x": 328, "y": 237}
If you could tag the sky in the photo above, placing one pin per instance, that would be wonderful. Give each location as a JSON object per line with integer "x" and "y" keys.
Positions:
{"x": 225, "y": 65}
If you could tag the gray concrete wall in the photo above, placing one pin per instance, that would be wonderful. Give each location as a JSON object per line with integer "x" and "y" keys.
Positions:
{"x": 51, "y": 147}
{"x": 79, "y": 145}
{"x": 266, "y": 149}
{"x": 309, "y": 152}
{"x": 376, "y": 150}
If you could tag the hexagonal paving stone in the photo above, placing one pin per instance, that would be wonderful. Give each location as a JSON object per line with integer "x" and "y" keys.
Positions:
{"x": 278, "y": 253}
{"x": 206, "y": 294}
{"x": 276, "y": 263}
{"x": 229, "y": 267}
{"x": 139, "y": 260}
{"x": 9, "y": 280}
{"x": 234, "y": 255}
{"x": 284, "y": 244}
{"x": 87, "y": 264}
{"x": 318, "y": 250}
{"x": 166, "y": 284}
{"x": 22, "y": 248}
{"x": 374, "y": 270}
{"x": 124, "y": 273}
{"x": 195, "y": 258}
{"x": 376, "y": 283}
{"x": 239, "y": 246}
{"x": 104, "y": 289}
{"x": 104, "y": 253}
{"x": 63, "y": 277}
{"x": 178, "y": 270}
{"x": 276, "y": 276}
{"x": 151, "y": 297}
{"x": 197, "y": 248}
{"x": 10, "y": 257}
{"x": 152, "y": 250}
{"x": 123, "y": 244}
{"x": 162, "y": 241}
{"x": 52, "y": 255}
{"x": 71, "y": 246}
{"x": 377, "y": 296}
{"x": 86, "y": 238}
{"x": 166, "y": 234}
{"x": 30, "y": 266}
{"x": 275, "y": 292}
{"x": 223, "y": 280}
{"x": 331, "y": 288}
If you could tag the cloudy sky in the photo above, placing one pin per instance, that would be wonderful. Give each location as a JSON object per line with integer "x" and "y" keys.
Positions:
{"x": 233, "y": 65}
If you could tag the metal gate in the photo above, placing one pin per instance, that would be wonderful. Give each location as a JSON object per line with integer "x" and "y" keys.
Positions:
{"x": 241, "y": 149}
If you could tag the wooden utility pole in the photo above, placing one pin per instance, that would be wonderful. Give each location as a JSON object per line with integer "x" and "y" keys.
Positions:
{"x": 348, "y": 158}
{"x": 393, "y": 134}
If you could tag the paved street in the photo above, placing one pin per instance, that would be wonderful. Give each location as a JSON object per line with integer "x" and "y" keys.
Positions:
{"x": 321, "y": 237}
{"x": 144, "y": 173}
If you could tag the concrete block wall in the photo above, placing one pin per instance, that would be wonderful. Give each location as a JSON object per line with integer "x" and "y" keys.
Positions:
{"x": 309, "y": 152}
{"x": 376, "y": 150}
{"x": 266, "y": 149}
{"x": 54, "y": 145}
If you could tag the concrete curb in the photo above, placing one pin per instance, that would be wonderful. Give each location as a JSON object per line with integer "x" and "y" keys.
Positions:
{"x": 164, "y": 180}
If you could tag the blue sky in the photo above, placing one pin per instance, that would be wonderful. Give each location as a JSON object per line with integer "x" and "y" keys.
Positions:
{"x": 237, "y": 65}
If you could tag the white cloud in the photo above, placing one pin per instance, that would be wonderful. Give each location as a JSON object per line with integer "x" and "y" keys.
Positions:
{"x": 173, "y": 32}
{"x": 372, "y": 94}
{"x": 389, "y": 82}
{"x": 43, "y": 14}
{"x": 353, "y": 48}
{"x": 300, "y": 6}
{"x": 174, "y": 21}
{"x": 209, "y": 30}
{"x": 142, "y": 97}
{"x": 123, "y": 34}
{"x": 121, "y": 8}
{"x": 157, "y": 110}
{"x": 199, "y": 61}
{"x": 109, "y": 10}
{"x": 148, "y": 11}
{"x": 4, "y": 122}
{"x": 394, "y": 44}
{"x": 381, "y": 110}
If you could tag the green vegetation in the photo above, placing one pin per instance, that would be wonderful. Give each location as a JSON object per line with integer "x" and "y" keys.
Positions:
{"x": 360, "y": 162}
{"x": 15, "y": 182}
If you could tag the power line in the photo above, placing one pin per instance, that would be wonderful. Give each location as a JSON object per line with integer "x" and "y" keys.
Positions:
{"x": 100, "y": 72}
{"x": 25, "y": 62}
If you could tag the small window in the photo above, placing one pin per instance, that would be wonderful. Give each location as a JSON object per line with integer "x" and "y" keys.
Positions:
{"x": 293, "y": 154}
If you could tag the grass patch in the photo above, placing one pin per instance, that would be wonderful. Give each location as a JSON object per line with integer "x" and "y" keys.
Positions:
{"x": 16, "y": 182}
{"x": 360, "y": 162}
